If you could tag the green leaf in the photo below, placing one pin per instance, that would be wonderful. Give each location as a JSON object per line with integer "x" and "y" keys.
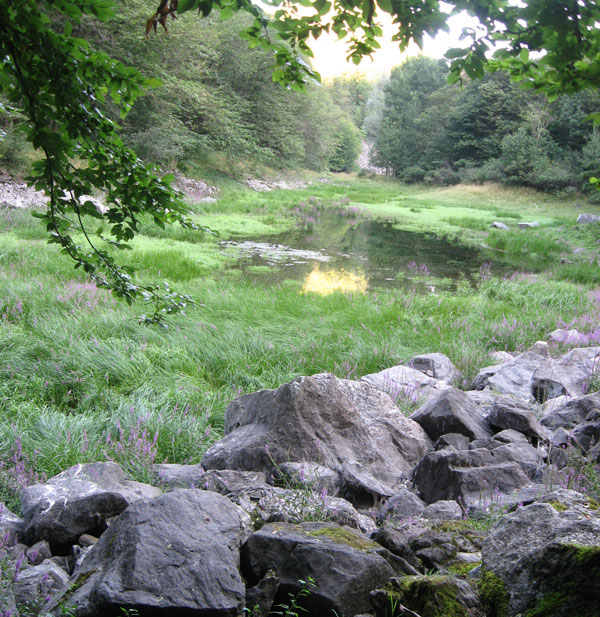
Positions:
{"x": 186, "y": 5}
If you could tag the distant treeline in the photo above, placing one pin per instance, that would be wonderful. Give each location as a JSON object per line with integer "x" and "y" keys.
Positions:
{"x": 426, "y": 130}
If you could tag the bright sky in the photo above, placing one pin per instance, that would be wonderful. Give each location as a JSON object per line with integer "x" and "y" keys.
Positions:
{"x": 330, "y": 54}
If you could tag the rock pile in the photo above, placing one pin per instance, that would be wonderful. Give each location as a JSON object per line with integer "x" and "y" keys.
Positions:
{"x": 324, "y": 492}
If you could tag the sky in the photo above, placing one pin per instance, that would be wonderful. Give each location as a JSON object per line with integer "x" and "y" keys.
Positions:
{"x": 330, "y": 54}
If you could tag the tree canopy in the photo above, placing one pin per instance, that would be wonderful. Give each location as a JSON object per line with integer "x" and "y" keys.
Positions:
{"x": 61, "y": 86}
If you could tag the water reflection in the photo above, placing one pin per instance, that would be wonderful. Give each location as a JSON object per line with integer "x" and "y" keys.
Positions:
{"x": 325, "y": 283}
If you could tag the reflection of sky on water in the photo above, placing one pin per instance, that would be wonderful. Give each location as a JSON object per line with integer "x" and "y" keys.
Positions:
{"x": 330, "y": 281}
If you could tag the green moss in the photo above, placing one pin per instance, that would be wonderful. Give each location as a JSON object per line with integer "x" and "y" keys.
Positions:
{"x": 344, "y": 536}
{"x": 547, "y": 606}
{"x": 592, "y": 503}
{"x": 557, "y": 505}
{"x": 493, "y": 595}
{"x": 461, "y": 569}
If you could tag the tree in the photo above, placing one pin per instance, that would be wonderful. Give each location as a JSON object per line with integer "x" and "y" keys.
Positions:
{"x": 61, "y": 85}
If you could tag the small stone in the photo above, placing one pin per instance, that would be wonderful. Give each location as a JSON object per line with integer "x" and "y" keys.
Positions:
{"x": 498, "y": 225}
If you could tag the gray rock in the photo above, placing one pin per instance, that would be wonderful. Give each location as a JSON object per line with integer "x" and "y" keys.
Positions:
{"x": 345, "y": 566}
{"x": 466, "y": 476}
{"x": 452, "y": 412}
{"x": 570, "y": 375}
{"x": 545, "y": 561}
{"x": 325, "y": 420}
{"x": 403, "y": 504}
{"x": 11, "y": 527}
{"x": 444, "y": 510}
{"x": 508, "y": 413}
{"x": 585, "y": 218}
{"x": 509, "y": 435}
{"x": 484, "y": 399}
{"x": 530, "y": 459}
{"x": 565, "y": 336}
{"x": 570, "y": 412}
{"x": 456, "y": 440}
{"x": 171, "y": 476}
{"x": 528, "y": 224}
{"x": 311, "y": 476}
{"x": 267, "y": 504}
{"x": 77, "y": 501}
{"x": 499, "y": 225}
{"x": 35, "y": 585}
{"x": 512, "y": 377}
{"x": 541, "y": 348}
{"x": 436, "y": 365}
{"x": 176, "y": 554}
{"x": 585, "y": 435}
{"x": 260, "y": 598}
{"x": 500, "y": 356}
{"x": 405, "y": 382}
{"x": 38, "y": 553}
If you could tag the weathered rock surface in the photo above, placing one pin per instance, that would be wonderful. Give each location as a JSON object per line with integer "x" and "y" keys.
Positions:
{"x": 499, "y": 225}
{"x": 540, "y": 560}
{"x": 323, "y": 420}
{"x": 570, "y": 375}
{"x": 428, "y": 596}
{"x": 508, "y": 413}
{"x": 171, "y": 476}
{"x": 345, "y": 565}
{"x": 407, "y": 382}
{"x": 465, "y": 476}
{"x": 436, "y": 365}
{"x": 11, "y": 527}
{"x": 77, "y": 501}
{"x": 572, "y": 412}
{"x": 452, "y": 412}
{"x": 35, "y": 584}
{"x": 513, "y": 377}
{"x": 585, "y": 218}
{"x": 403, "y": 504}
{"x": 176, "y": 554}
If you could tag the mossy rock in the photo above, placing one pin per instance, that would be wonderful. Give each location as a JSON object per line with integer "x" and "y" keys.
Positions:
{"x": 429, "y": 596}
{"x": 342, "y": 535}
{"x": 492, "y": 592}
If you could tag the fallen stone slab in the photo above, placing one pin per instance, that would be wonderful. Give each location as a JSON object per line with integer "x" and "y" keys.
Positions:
{"x": 508, "y": 413}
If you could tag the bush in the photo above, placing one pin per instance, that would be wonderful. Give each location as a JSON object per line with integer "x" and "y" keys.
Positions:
{"x": 413, "y": 174}
{"x": 444, "y": 176}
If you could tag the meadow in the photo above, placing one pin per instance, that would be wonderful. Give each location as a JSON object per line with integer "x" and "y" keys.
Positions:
{"x": 81, "y": 380}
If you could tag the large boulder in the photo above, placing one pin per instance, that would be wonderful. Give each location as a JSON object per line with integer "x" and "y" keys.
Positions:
{"x": 513, "y": 377}
{"x": 344, "y": 565}
{"x": 544, "y": 559}
{"x": 572, "y": 411}
{"x": 405, "y": 382}
{"x": 78, "y": 501}
{"x": 452, "y": 411}
{"x": 570, "y": 375}
{"x": 175, "y": 555}
{"x": 468, "y": 476}
{"x": 322, "y": 419}
{"x": 171, "y": 476}
{"x": 33, "y": 586}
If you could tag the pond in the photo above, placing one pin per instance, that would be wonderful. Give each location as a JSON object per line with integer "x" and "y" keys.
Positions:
{"x": 331, "y": 250}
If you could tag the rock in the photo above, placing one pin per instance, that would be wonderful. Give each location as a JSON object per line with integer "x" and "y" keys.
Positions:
{"x": 176, "y": 554}
{"x": 456, "y": 440}
{"x": 509, "y": 435}
{"x": 322, "y": 419}
{"x": 512, "y": 377}
{"x": 444, "y": 510}
{"x": 403, "y": 504}
{"x": 528, "y": 224}
{"x": 565, "y": 336}
{"x": 267, "y": 504}
{"x": 499, "y": 225}
{"x": 585, "y": 218}
{"x": 11, "y": 527}
{"x": 427, "y": 596}
{"x": 569, "y": 375}
{"x": 77, "y": 501}
{"x": 38, "y": 553}
{"x": 585, "y": 435}
{"x": 465, "y": 477}
{"x": 508, "y": 413}
{"x": 539, "y": 560}
{"x": 500, "y": 356}
{"x": 260, "y": 598}
{"x": 436, "y": 365}
{"x": 530, "y": 459}
{"x": 541, "y": 348}
{"x": 86, "y": 540}
{"x": 571, "y": 412}
{"x": 34, "y": 585}
{"x": 483, "y": 398}
{"x": 345, "y": 566}
{"x": 311, "y": 476}
{"x": 405, "y": 382}
{"x": 171, "y": 476}
{"x": 452, "y": 412}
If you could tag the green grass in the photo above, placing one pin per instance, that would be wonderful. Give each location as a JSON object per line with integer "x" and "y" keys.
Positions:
{"x": 80, "y": 380}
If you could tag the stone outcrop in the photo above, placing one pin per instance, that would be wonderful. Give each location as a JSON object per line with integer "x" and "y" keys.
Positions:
{"x": 325, "y": 420}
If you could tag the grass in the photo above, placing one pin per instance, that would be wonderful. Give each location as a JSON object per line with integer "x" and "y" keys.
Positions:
{"x": 80, "y": 380}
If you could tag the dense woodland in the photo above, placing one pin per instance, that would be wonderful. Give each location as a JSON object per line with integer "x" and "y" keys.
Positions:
{"x": 218, "y": 106}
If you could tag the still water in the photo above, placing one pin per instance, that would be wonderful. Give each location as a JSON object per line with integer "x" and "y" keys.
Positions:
{"x": 335, "y": 250}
